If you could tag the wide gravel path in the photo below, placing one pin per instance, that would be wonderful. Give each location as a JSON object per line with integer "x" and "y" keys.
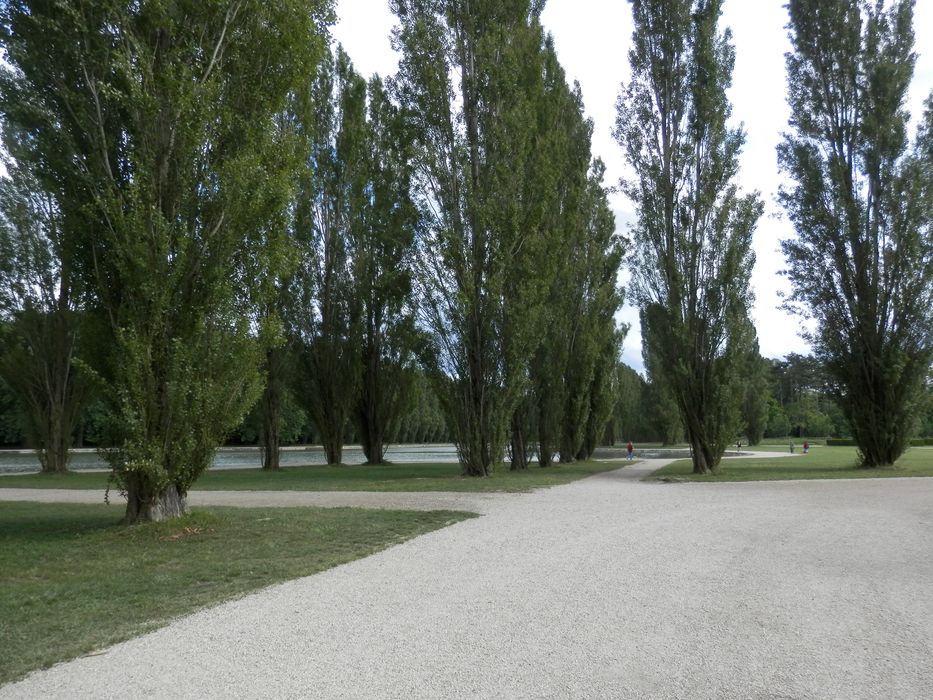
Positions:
{"x": 604, "y": 588}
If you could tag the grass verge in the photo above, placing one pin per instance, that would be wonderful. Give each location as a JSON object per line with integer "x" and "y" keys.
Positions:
{"x": 72, "y": 580}
{"x": 395, "y": 477}
{"x": 820, "y": 463}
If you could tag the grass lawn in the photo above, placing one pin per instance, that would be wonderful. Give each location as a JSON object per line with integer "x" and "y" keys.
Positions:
{"x": 72, "y": 580}
{"x": 820, "y": 463}
{"x": 396, "y": 477}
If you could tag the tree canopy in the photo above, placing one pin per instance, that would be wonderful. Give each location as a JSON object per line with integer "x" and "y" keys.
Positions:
{"x": 860, "y": 200}
{"x": 692, "y": 240}
{"x": 146, "y": 117}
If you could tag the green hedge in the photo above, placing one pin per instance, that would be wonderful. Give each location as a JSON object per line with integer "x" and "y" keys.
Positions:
{"x": 849, "y": 442}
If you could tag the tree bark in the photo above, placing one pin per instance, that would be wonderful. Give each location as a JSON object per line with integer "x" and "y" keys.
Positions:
{"x": 371, "y": 427}
{"x": 270, "y": 450}
{"x": 545, "y": 443}
{"x": 702, "y": 460}
{"x": 519, "y": 446}
{"x": 567, "y": 452}
{"x": 271, "y": 430}
{"x": 141, "y": 507}
{"x": 333, "y": 450}
{"x": 53, "y": 456}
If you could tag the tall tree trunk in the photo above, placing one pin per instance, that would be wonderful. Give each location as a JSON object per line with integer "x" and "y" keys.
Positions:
{"x": 545, "y": 441}
{"x": 53, "y": 454}
{"x": 519, "y": 446}
{"x": 703, "y": 460}
{"x": 153, "y": 507}
{"x": 270, "y": 431}
{"x": 568, "y": 452}
{"x": 333, "y": 446}
{"x": 372, "y": 441}
{"x": 270, "y": 446}
{"x": 371, "y": 428}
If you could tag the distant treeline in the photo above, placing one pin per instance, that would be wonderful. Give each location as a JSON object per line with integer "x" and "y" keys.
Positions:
{"x": 423, "y": 423}
{"x": 794, "y": 393}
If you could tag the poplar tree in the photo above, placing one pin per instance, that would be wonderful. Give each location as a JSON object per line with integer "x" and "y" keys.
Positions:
{"x": 862, "y": 262}
{"x": 41, "y": 302}
{"x": 692, "y": 238}
{"x": 588, "y": 301}
{"x": 469, "y": 76}
{"x": 325, "y": 320}
{"x": 382, "y": 267}
{"x": 559, "y": 271}
{"x": 157, "y": 121}
{"x": 757, "y": 394}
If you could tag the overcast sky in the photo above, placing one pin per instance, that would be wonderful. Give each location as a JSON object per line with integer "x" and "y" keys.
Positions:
{"x": 592, "y": 39}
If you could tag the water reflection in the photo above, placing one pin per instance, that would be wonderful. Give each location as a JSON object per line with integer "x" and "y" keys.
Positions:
{"x": 14, "y": 461}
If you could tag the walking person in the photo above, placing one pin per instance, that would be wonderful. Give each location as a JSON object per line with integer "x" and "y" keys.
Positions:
{"x": 631, "y": 449}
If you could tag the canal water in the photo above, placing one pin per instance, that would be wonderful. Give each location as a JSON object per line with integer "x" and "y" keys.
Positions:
{"x": 18, "y": 461}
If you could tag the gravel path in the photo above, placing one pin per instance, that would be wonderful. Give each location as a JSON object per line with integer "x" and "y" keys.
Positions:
{"x": 606, "y": 587}
{"x": 424, "y": 500}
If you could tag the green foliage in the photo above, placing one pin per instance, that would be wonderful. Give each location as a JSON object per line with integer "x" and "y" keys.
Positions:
{"x": 569, "y": 273}
{"x": 806, "y": 418}
{"x": 348, "y": 306}
{"x": 662, "y": 415}
{"x": 324, "y": 316}
{"x": 40, "y": 294}
{"x": 11, "y": 430}
{"x": 924, "y": 425}
{"x": 424, "y": 421}
{"x": 628, "y": 412}
{"x": 154, "y": 128}
{"x": 293, "y": 422}
{"x": 590, "y": 301}
{"x": 487, "y": 193}
{"x": 692, "y": 259}
{"x": 383, "y": 278}
{"x": 795, "y": 376}
{"x": 778, "y": 423}
{"x": 755, "y": 407}
{"x": 862, "y": 206}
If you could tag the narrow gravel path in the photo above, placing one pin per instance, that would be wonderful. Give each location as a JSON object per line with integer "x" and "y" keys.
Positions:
{"x": 423, "y": 500}
{"x": 607, "y": 587}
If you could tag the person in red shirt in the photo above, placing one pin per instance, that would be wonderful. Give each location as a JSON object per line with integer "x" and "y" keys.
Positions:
{"x": 631, "y": 449}
{"x": 806, "y": 447}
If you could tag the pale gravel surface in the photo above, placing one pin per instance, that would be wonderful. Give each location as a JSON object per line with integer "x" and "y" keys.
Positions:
{"x": 604, "y": 588}
{"x": 424, "y": 500}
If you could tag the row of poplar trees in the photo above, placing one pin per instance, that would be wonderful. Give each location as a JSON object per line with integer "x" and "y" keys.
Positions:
{"x": 859, "y": 195}
{"x": 207, "y": 207}
{"x": 206, "y": 183}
